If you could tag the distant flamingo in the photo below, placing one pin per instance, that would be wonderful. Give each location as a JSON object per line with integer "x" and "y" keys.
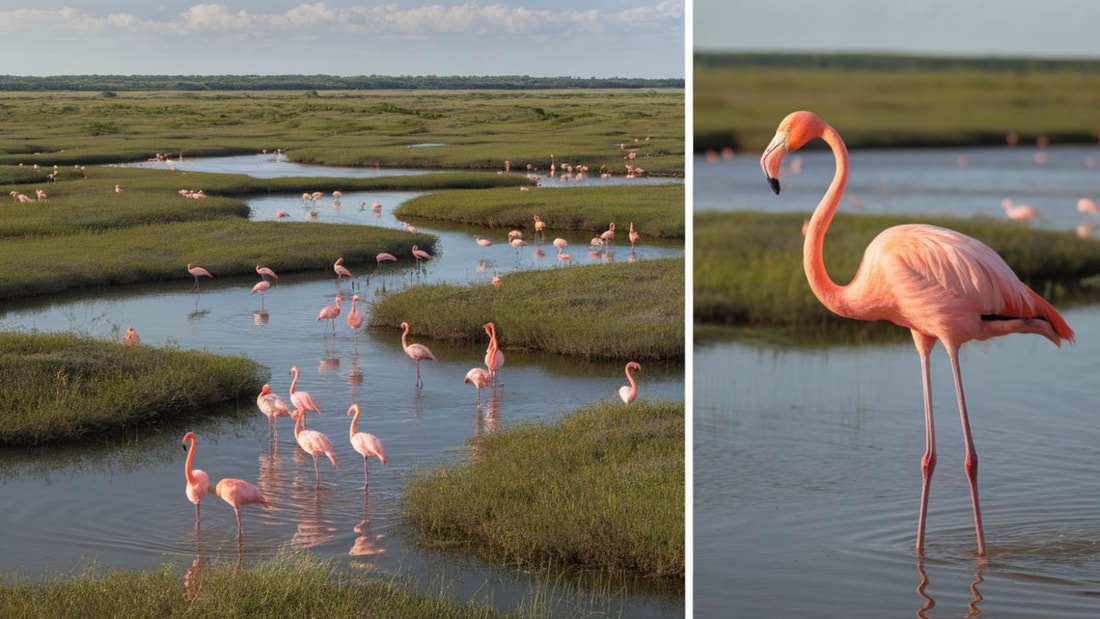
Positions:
{"x": 540, "y": 226}
{"x": 383, "y": 257}
{"x": 1018, "y": 211}
{"x": 131, "y": 337}
{"x": 482, "y": 242}
{"x": 940, "y": 284}
{"x": 420, "y": 254}
{"x": 366, "y": 444}
{"x": 330, "y": 313}
{"x": 479, "y": 378}
{"x": 198, "y": 482}
{"x": 1086, "y": 206}
{"x": 197, "y": 272}
{"x": 355, "y": 317}
{"x": 629, "y": 392}
{"x": 273, "y": 407}
{"x": 281, "y": 214}
{"x": 341, "y": 270}
{"x": 313, "y": 443}
{"x": 496, "y": 281}
{"x": 494, "y": 358}
{"x": 609, "y": 234}
{"x": 301, "y": 400}
{"x": 261, "y": 287}
{"x": 239, "y": 493}
{"x": 634, "y": 236}
{"x": 265, "y": 272}
{"x": 418, "y": 352}
{"x": 560, "y": 244}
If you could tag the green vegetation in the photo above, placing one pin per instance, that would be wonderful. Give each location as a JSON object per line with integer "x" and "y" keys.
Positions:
{"x": 658, "y": 210}
{"x": 894, "y": 101}
{"x": 474, "y": 129}
{"x": 58, "y": 388}
{"x": 289, "y": 587}
{"x": 616, "y": 311}
{"x": 748, "y": 265}
{"x": 602, "y": 488}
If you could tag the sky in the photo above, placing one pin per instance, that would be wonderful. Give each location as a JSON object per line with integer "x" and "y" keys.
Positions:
{"x": 1030, "y": 28}
{"x": 572, "y": 38}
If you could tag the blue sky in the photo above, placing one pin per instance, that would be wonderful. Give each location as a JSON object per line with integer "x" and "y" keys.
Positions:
{"x": 1034, "y": 28}
{"x": 614, "y": 38}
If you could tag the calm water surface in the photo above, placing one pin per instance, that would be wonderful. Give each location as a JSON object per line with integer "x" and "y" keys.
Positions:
{"x": 124, "y": 505}
{"x": 806, "y": 460}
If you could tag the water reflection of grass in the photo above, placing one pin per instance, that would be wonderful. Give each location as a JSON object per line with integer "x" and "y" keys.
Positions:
{"x": 748, "y": 266}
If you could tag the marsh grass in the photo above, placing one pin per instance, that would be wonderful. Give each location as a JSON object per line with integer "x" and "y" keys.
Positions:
{"x": 895, "y": 106}
{"x": 296, "y": 586}
{"x": 600, "y": 488}
{"x": 748, "y": 266}
{"x": 61, "y": 387}
{"x": 630, "y": 310}
{"x": 479, "y": 129}
{"x": 656, "y": 210}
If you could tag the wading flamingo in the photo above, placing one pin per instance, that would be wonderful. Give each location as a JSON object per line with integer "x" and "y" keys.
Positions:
{"x": 341, "y": 270}
{"x": 420, "y": 254}
{"x": 494, "y": 359}
{"x": 265, "y": 272}
{"x": 238, "y": 493}
{"x": 633, "y": 235}
{"x": 301, "y": 399}
{"x": 313, "y": 443}
{"x": 197, "y": 272}
{"x": 540, "y": 226}
{"x": 131, "y": 337}
{"x": 383, "y": 257}
{"x": 273, "y": 407}
{"x": 198, "y": 482}
{"x": 629, "y": 392}
{"x": 608, "y": 235}
{"x": 355, "y": 317}
{"x": 479, "y": 378}
{"x": 261, "y": 287}
{"x": 418, "y": 352}
{"x": 365, "y": 443}
{"x": 330, "y": 313}
{"x": 938, "y": 283}
{"x": 1018, "y": 211}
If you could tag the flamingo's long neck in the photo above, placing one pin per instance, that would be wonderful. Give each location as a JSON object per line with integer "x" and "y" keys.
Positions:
{"x": 404, "y": 337}
{"x": 827, "y": 291}
{"x": 298, "y": 423}
{"x": 295, "y": 381}
{"x": 354, "y": 418}
{"x": 187, "y": 465}
{"x": 630, "y": 377}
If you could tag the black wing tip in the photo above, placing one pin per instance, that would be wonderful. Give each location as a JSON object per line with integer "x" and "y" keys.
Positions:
{"x": 774, "y": 182}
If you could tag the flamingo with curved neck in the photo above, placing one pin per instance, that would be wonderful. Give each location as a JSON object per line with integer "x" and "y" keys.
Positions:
{"x": 198, "y": 482}
{"x": 629, "y": 392}
{"x": 942, "y": 285}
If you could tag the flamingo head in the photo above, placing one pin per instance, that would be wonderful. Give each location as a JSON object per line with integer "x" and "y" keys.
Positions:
{"x": 190, "y": 436}
{"x": 353, "y": 409}
{"x": 793, "y": 132}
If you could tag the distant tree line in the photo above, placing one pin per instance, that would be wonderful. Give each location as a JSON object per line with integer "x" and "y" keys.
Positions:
{"x": 117, "y": 83}
{"x": 889, "y": 62}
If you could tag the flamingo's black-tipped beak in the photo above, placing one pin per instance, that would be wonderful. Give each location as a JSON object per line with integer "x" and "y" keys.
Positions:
{"x": 184, "y": 447}
{"x": 774, "y": 182}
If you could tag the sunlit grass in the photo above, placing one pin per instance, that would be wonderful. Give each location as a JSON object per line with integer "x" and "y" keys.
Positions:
{"x": 61, "y": 387}
{"x": 288, "y": 587}
{"x": 632, "y": 310}
{"x": 599, "y": 488}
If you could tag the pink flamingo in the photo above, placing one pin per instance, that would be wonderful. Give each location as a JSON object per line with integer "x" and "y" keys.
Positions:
{"x": 479, "y": 378}
{"x": 629, "y": 392}
{"x": 540, "y": 226}
{"x": 341, "y": 270}
{"x": 940, "y": 284}
{"x": 383, "y": 257}
{"x": 301, "y": 399}
{"x": 420, "y": 254}
{"x": 197, "y": 272}
{"x": 355, "y": 317}
{"x": 1086, "y": 206}
{"x": 131, "y": 337}
{"x": 198, "y": 482}
{"x": 418, "y": 352}
{"x": 265, "y": 272}
{"x": 366, "y": 444}
{"x": 281, "y": 214}
{"x": 261, "y": 287}
{"x": 330, "y": 313}
{"x": 1018, "y": 211}
{"x": 494, "y": 358}
{"x": 239, "y": 493}
{"x": 482, "y": 242}
{"x": 609, "y": 234}
{"x": 313, "y": 443}
{"x": 634, "y": 236}
{"x": 273, "y": 407}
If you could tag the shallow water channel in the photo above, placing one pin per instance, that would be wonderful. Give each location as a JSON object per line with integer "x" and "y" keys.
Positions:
{"x": 807, "y": 457}
{"x": 122, "y": 505}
